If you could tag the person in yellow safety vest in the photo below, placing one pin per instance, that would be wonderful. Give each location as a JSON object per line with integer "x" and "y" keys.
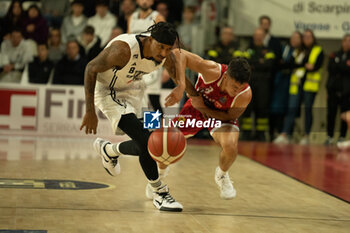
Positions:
{"x": 262, "y": 61}
{"x": 304, "y": 85}
{"x": 223, "y": 51}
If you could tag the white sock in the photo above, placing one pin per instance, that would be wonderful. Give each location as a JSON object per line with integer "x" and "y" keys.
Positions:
{"x": 112, "y": 150}
{"x": 162, "y": 172}
{"x": 220, "y": 172}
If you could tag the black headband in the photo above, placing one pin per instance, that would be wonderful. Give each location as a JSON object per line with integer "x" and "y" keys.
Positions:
{"x": 164, "y": 37}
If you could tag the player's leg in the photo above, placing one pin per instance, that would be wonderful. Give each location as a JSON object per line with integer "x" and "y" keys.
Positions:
{"x": 227, "y": 137}
{"x": 187, "y": 113}
{"x": 134, "y": 129}
{"x": 154, "y": 100}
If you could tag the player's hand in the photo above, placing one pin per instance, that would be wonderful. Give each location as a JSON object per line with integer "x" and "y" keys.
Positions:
{"x": 175, "y": 96}
{"x": 90, "y": 122}
{"x": 197, "y": 102}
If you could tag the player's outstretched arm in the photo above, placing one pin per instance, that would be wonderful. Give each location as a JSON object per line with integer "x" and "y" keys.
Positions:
{"x": 115, "y": 56}
{"x": 210, "y": 70}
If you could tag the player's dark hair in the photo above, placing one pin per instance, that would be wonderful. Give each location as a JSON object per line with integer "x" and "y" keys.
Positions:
{"x": 239, "y": 69}
{"x": 164, "y": 33}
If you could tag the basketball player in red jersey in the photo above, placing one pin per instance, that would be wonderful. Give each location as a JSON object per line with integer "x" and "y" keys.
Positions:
{"x": 224, "y": 94}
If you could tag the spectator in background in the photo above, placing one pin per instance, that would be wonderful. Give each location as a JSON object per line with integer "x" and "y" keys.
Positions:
{"x": 174, "y": 16}
{"x": 270, "y": 41}
{"x": 312, "y": 64}
{"x": 116, "y": 32}
{"x": 90, "y": 43}
{"x": 54, "y": 11}
{"x": 261, "y": 60}
{"x": 127, "y": 8}
{"x": 162, "y": 8}
{"x": 223, "y": 51}
{"x": 35, "y": 26}
{"x": 280, "y": 91}
{"x": 56, "y": 48}
{"x": 40, "y": 69}
{"x": 70, "y": 69}
{"x": 143, "y": 17}
{"x": 13, "y": 19}
{"x": 304, "y": 85}
{"x": 187, "y": 26}
{"x": 74, "y": 24}
{"x": 338, "y": 85}
{"x": 103, "y": 22}
{"x": 15, "y": 54}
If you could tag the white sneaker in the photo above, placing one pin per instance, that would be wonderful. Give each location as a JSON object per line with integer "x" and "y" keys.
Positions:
{"x": 281, "y": 139}
{"x": 109, "y": 163}
{"x": 227, "y": 191}
{"x": 305, "y": 141}
{"x": 149, "y": 189}
{"x": 344, "y": 145}
{"x": 163, "y": 201}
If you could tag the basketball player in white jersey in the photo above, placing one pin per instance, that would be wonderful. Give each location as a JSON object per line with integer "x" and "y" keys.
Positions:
{"x": 113, "y": 82}
{"x": 138, "y": 22}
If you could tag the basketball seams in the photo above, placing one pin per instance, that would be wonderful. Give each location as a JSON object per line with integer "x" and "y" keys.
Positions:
{"x": 163, "y": 138}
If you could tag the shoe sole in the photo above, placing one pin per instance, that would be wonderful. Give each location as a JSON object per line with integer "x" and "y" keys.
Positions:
{"x": 170, "y": 209}
{"x": 167, "y": 208}
{"x": 227, "y": 198}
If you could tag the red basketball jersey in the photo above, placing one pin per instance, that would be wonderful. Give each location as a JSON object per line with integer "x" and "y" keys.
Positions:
{"x": 212, "y": 95}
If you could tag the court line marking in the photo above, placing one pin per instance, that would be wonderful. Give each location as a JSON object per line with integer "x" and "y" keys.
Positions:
{"x": 186, "y": 213}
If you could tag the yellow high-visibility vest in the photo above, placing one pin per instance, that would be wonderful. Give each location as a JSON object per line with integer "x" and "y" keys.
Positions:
{"x": 313, "y": 79}
{"x": 295, "y": 78}
{"x": 213, "y": 53}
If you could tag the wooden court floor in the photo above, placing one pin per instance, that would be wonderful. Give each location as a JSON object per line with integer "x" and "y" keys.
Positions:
{"x": 267, "y": 200}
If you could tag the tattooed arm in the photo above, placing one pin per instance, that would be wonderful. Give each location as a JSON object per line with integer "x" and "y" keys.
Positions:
{"x": 116, "y": 55}
{"x": 176, "y": 71}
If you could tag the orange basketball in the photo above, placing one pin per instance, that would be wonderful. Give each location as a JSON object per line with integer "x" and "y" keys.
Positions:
{"x": 167, "y": 145}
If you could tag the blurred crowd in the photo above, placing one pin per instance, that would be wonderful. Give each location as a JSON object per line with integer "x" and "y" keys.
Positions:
{"x": 286, "y": 75}
{"x": 51, "y": 41}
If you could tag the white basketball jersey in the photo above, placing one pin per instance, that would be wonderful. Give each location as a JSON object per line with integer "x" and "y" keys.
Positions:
{"x": 130, "y": 75}
{"x": 138, "y": 25}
